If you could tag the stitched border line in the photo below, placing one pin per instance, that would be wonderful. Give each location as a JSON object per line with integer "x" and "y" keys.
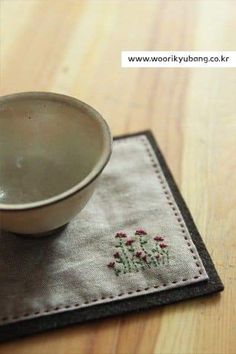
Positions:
{"x": 171, "y": 202}
{"x": 170, "y": 199}
{"x": 78, "y": 305}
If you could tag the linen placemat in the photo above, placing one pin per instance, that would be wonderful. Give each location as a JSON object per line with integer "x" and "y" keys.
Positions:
{"x": 134, "y": 246}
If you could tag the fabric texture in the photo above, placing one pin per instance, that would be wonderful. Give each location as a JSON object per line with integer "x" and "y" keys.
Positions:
{"x": 130, "y": 240}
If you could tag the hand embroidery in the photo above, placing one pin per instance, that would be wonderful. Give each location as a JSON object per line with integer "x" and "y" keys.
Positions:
{"x": 139, "y": 252}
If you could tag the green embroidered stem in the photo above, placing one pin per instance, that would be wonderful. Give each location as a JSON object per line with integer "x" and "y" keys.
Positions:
{"x": 141, "y": 242}
{"x": 140, "y": 263}
{"x": 121, "y": 260}
{"x": 127, "y": 261}
{"x": 117, "y": 271}
{"x": 153, "y": 260}
{"x": 165, "y": 256}
{"x": 132, "y": 250}
{"x": 160, "y": 250}
{"x": 138, "y": 253}
{"x": 157, "y": 260}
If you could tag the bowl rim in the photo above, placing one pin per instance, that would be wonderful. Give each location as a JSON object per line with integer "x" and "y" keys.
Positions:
{"x": 97, "y": 168}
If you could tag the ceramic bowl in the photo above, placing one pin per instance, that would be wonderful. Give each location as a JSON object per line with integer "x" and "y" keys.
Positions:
{"x": 52, "y": 150}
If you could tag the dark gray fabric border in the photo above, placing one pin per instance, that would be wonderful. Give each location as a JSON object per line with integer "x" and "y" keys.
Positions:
{"x": 139, "y": 303}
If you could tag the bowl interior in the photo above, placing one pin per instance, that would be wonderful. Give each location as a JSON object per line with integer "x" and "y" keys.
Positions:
{"x": 48, "y": 144}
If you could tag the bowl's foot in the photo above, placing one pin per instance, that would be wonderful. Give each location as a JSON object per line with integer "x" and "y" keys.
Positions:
{"x": 43, "y": 234}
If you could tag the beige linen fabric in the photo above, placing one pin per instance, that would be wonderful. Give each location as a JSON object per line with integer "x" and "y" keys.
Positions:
{"x": 69, "y": 270}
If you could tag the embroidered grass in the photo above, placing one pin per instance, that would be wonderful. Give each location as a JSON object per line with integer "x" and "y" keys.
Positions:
{"x": 138, "y": 252}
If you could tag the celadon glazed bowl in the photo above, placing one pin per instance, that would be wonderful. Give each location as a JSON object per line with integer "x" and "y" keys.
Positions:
{"x": 52, "y": 150}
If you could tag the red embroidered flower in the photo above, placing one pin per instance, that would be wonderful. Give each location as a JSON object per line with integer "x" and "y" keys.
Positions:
{"x": 111, "y": 265}
{"x": 162, "y": 245}
{"x": 121, "y": 234}
{"x": 140, "y": 232}
{"x": 116, "y": 255}
{"x": 138, "y": 254}
{"x": 129, "y": 242}
{"x": 158, "y": 238}
{"x": 130, "y": 254}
